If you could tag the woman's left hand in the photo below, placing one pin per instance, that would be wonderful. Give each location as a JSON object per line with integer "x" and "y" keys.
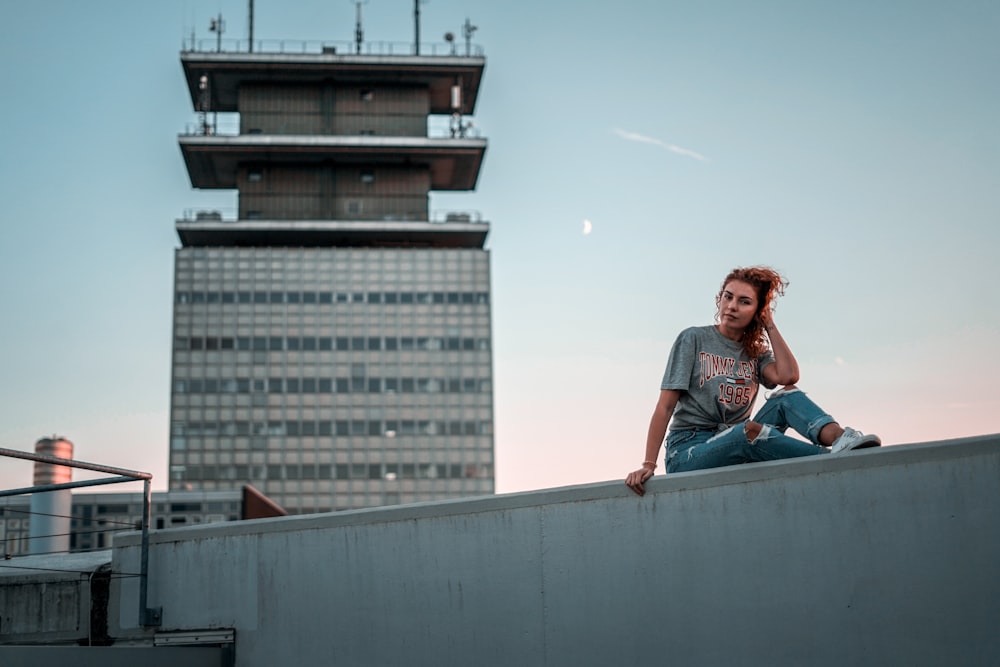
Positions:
{"x": 767, "y": 318}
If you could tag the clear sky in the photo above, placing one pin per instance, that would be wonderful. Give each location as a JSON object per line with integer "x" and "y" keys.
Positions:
{"x": 854, "y": 145}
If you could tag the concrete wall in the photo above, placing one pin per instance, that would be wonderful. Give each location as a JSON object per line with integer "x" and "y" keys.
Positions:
{"x": 127, "y": 656}
{"x": 887, "y": 556}
{"x": 48, "y": 598}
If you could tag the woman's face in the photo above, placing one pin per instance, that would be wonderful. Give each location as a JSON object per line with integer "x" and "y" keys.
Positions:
{"x": 737, "y": 305}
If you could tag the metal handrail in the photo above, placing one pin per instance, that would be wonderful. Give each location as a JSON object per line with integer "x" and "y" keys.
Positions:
{"x": 147, "y": 617}
{"x": 337, "y": 47}
{"x": 437, "y": 217}
{"x": 230, "y": 130}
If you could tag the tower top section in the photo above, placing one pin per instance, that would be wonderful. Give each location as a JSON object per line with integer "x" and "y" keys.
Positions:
{"x": 331, "y": 146}
{"x": 229, "y": 70}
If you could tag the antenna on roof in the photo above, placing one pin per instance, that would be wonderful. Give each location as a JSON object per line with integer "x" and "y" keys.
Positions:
{"x": 416, "y": 26}
{"x": 218, "y": 26}
{"x": 467, "y": 30}
{"x": 250, "y": 30}
{"x": 359, "y": 34}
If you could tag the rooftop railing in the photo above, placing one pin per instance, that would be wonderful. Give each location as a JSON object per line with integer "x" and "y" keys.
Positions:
{"x": 147, "y": 616}
{"x": 436, "y": 217}
{"x": 344, "y": 48}
{"x": 218, "y": 125}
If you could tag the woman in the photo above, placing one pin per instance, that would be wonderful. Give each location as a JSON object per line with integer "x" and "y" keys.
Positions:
{"x": 710, "y": 385}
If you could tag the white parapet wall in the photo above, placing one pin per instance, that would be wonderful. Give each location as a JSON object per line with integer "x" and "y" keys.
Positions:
{"x": 879, "y": 557}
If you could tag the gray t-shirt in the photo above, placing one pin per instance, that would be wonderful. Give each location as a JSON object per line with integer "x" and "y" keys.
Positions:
{"x": 717, "y": 380}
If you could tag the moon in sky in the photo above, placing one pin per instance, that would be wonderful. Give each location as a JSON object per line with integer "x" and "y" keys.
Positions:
{"x": 587, "y": 227}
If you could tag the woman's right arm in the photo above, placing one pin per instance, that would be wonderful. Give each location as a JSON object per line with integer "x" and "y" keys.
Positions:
{"x": 654, "y": 438}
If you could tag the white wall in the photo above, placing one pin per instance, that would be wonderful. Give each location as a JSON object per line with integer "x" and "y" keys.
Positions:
{"x": 878, "y": 557}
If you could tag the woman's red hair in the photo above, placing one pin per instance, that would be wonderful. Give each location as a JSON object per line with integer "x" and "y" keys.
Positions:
{"x": 769, "y": 285}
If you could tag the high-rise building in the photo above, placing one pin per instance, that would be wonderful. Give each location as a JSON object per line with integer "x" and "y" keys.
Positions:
{"x": 332, "y": 340}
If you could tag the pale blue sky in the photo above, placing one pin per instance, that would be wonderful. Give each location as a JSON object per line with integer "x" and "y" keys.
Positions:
{"x": 854, "y": 145}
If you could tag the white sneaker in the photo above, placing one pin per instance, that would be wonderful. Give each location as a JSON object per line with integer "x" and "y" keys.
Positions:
{"x": 852, "y": 439}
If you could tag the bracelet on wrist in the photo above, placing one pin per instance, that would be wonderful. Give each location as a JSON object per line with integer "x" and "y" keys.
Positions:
{"x": 649, "y": 465}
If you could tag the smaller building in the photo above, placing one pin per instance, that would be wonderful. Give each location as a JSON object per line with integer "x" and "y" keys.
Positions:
{"x": 98, "y": 516}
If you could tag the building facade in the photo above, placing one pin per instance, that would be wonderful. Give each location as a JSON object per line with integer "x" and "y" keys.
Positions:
{"x": 332, "y": 343}
{"x": 96, "y": 517}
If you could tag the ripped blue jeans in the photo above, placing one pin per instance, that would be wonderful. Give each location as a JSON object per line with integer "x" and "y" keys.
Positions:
{"x": 699, "y": 449}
